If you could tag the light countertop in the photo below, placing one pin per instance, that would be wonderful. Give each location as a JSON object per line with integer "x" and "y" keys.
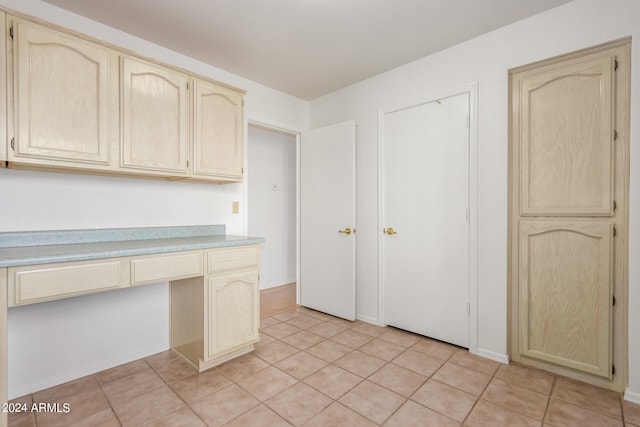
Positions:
{"x": 44, "y": 247}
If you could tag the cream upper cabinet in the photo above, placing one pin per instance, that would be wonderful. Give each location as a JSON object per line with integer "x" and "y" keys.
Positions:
{"x": 64, "y": 93}
{"x": 154, "y": 105}
{"x": 217, "y": 138}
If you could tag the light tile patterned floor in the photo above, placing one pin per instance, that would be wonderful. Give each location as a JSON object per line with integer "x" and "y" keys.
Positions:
{"x": 312, "y": 369}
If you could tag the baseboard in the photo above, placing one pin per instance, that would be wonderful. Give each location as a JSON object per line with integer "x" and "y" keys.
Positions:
{"x": 498, "y": 357}
{"x": 632, "y": 396}
{"x": 45, "y": 383}
{"x": 264, "y": 286}
{"x": 368, "y": 319}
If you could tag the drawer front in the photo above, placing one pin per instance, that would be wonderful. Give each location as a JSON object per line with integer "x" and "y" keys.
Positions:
{"x": 164, "y": 268}
{"x": 230, "y": 258}
{"x": 28, "y": 285}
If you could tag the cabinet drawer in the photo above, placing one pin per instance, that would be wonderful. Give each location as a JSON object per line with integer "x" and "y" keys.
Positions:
{"x": 163, "y": 268}
{"x": 235, "y": 257}
{"x": 28, "y": 285}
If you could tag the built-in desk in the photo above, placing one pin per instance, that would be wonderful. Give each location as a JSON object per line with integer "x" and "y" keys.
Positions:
{"x": 214, "y": 277}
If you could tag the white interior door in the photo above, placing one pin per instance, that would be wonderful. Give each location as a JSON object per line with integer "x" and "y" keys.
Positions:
{"x": 327, "y": 219}
{"x": 426, "y": 202}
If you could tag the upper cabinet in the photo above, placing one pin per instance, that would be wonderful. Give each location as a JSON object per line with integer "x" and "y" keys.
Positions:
{"x": 73, "y": 103}
{"x": 217, "y": 132}
{"x": 63, "y": 90}
{"x": 155, "y": 132}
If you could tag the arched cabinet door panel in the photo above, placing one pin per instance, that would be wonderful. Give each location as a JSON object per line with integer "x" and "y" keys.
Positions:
{"x": 566, "y": 135}
{"x": 64, "y": 92}
{"x": 233, "y": 311}
{"x": 217, "y": 132}
{"x": 155, "y": 132}
{"x": 566, "y": 284}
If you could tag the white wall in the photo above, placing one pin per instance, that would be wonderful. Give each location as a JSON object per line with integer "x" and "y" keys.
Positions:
{"x": 487, "y": 59}
{"x": 272, "y": 212}
{"x": 58, "y": 341}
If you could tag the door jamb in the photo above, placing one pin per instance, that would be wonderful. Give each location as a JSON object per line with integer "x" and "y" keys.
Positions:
{"x": 472, "y": 90}
{"x": 245, "y": 185}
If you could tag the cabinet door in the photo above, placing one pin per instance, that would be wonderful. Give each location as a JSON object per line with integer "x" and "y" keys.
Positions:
{"x": 566, "y": 136}
{"x": 62, "y": 96}
{"x": 154, "y": 118}
{"x": 566, "y": 272}
{"x": 234, "y": 315}
{"x": 217, "y": 132}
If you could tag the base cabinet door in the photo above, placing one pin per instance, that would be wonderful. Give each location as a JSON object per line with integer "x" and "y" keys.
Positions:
{"x": 234, "y": 316}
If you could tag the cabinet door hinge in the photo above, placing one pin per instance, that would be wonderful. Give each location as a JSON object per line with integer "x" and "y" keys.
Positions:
{"x": 11, "y": 32}
{"x": 615, "y": 135}
{"x": 615, "y": 64}
{"x": 13, "y": 144}
{"x": 187, "y": 85}
{"x": 613, "y": 300}
{"x": 613, "y": 369}
{"x": 615, "y": 232}
{"x": 187, "y": 163}
{"x": 615, "y": 206}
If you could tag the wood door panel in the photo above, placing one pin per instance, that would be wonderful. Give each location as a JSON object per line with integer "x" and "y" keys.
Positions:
{"x": 565, "y": 311}
{"x": 154, "y": 118}
{"x": 234, "y": 311}
{"x": 567, "y": 139}
{"x": 62, "y": 96}
{"x": 218, "y": 131}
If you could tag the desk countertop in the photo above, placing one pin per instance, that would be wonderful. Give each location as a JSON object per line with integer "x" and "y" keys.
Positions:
{"x": 44, "y": 247}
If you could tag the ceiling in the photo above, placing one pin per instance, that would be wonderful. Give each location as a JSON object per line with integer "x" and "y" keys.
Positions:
{"x": 307, "y": 48}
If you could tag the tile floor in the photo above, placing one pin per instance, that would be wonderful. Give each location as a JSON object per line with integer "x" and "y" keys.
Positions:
{"x": 312, "y": 369}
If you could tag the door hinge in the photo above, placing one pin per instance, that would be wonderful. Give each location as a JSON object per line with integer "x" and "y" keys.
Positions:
{"x": 11, "y": 32}
{"x": 615, "y": 64}
{"x": 613, "y": 300}
{"x": 13, "y": 144}
{"x": 613, "y": 369}
{"x": 468, "y": 120}
{"x": 615, "y": 206}
{"x": 615, "y": 232}
{"x": 187, "y": 85}
{"x": 615, "y": 135}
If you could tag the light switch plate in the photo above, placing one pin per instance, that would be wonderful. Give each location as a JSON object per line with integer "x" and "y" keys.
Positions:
{"x": 235, "y": 207}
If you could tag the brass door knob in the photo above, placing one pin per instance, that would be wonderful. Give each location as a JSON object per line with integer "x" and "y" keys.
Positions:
{"x": 346, "y": 231}
{"x": 390, "y": 230}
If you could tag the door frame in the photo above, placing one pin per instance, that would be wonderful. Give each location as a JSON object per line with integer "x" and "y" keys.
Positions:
{"x": 472, "y": 90}
{"x": 283, "y": 129}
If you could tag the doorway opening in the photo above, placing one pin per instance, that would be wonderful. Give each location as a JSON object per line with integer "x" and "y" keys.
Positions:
{"x": 272, "y": 213}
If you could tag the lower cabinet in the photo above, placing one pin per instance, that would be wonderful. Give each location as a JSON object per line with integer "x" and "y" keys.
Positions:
{"x": 216, "y": 317}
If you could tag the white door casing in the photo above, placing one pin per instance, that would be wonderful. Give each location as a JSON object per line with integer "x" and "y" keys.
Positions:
{"x": 327, "y": 219}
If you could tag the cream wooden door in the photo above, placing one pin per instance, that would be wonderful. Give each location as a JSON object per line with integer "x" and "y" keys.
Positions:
{"x": 217, "y": 132}
{"x": 568, "y": 214}
{"x": 426, "y": 203}
{"x": 62, "y": 95}
{"x": 327, "y": 220}
{"x": 234, "y": 311}
{"x": 155, "y": 132}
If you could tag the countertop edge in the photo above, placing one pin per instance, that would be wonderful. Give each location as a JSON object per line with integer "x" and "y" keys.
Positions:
{"x": 126, "y": 252}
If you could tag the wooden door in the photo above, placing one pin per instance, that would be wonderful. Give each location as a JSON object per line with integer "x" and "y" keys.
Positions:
{"x": 234, "y": 311}
{"x": 426, "y": 202}
{"x": 154, "y": 118}
{"x": 217, "y": 132}
{"x": 327, "y": 220}
{"x": 63, "y": 96}
{"x": 568, "y": 214}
